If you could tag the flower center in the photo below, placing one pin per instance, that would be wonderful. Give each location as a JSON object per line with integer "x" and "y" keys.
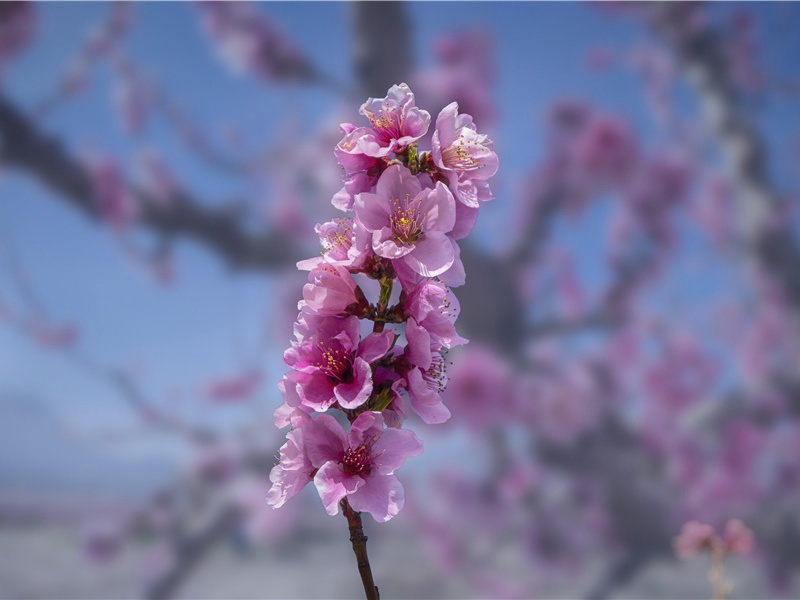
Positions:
{"x": 386, "y": 123}
{"x": 358, "y": 461}
{"x": 336, "y": 364}
{"x": 460, "y": 157}
{"x": 405, "y": 221}
{"x": 339, "y": 239}
{"x": 436, "y": 375}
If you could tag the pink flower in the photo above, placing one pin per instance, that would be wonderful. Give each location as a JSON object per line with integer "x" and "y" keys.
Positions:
{"x": 396, "y": 121}
{"x": 409, "y": 224}
{"x": 332, "y": 291}
{"x": 334, "y": 366}
{"x": 360, "y": 465}
{"x": 293, "y": 471}
{"x": 361, "y": 171}
{"x": 464, "y": 156}
{"x": 425, "y": 384}
{"x": 115, "y": 203}
{"x": 694, "y": 537}
{"x": 738, "y": 538}
{"x": 53, "y": 336}
{"x": 435, "y": 308}
{"x": 341, "y": 244}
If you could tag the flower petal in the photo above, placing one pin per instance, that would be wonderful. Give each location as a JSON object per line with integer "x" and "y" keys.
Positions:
{"x": 432, "y": 255}
{"x": 333, "y": 484}
{"x": 355, "y": 393}
{"x": 382, "y": 496}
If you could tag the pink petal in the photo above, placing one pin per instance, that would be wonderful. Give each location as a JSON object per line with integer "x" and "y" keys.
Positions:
{"x": 333, "y": 484}
{"x": 372, "y": 211}
{"x": 419, "y": 345}
{"x": 392, "y": 449}
{"x": 325, "y": 440}
{"x": 397, "y": 182}
{"x": 439, "y": 208}
{"x": 432, "y": 255}
{"x": 384, "y": 244}
{"x": 382, "y": 496}
{"x": 455, "y": 275}
{"x": 375, "y": 345}
{"x": 354, "y": 394}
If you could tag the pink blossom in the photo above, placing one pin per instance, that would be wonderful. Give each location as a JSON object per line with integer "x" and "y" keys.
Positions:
{"x": 360, "y": 465}
{"x": 360, "y": 170}
{"x": 247, "y": 494}
{"x": 102, "y": 539}
{"x": 738, "y": 538}
{"x": 16, "y": 29}
{"x": 479, "y": 388}
{"x": 332, "y": 291}
{"x": 424, "y": 392}
{"x": 464, "y": 156}
{"x": 294, "y": 469}
{"x": 117, "y": 206}
{"x": 396, "y": 121}
{"x": 409, "y": 224}
{"x": 53, "y": 336}
{"x": 435, "y": 308}
{"x": 694, "y": 538}
{"x": 605, "y": 151}
{"x": 342, "y": 244}
{"x": 249, "y": 43}
{"x": 334, "y": 366}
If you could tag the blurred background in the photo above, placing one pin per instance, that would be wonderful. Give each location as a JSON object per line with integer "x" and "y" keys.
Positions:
{"x": 632, "y": 297}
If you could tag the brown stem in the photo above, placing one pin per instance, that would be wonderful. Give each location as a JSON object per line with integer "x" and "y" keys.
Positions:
{"x": 359, "y": 541}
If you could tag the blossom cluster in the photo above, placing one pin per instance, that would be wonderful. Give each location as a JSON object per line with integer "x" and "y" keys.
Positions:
{"x": 406, "y": 212}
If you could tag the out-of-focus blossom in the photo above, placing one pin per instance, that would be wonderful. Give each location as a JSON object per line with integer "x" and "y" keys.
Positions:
{"x": 249, "y": 43}
{"x": 215, "y": 461}
{"x": 117, "y": 206}
{"x": 17, "y": 24}
{"x": 464, "y": 73}
{"x": 234, "y": 388}
{"x": 360, "y": 465}
{"x": 738, "y": 538}
{"x": 53, "y": 336}
{"x": 479, "y": 389}
{"x": 260, "y": 525}
{"x": 102, "y": 539}
{"x": 694, "y": 538}
{"x": 156, "y": 177}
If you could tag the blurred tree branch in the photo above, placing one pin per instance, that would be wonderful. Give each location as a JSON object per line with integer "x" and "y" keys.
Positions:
{"x": 700, "y": 50}
{"x": 26, "y": 147}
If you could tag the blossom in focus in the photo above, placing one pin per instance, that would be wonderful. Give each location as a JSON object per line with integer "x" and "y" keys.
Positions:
{"x": 464, "y": 156}
{"x": 293, "y": 471}
{"x": 333, "y": 362}
{"x": 396, "y": 122}
{"x": 409, "y": 224}
{"x": 331, "y": 291}
{"x": 360, "y": 465}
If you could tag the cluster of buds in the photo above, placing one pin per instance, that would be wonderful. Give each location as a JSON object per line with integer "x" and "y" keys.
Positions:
{"x": 373, "y": 360}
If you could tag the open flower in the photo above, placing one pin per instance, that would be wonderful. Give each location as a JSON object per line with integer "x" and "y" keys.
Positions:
{"x": 293, "y": 471}
{"x": 332, "y": 365}
{"x": 464, "y": 156}
{"x": 433, "y": 306}
{"x": 360, "y": 465}
{"x": 331, "y": 291}
{"x": 409, "y": 224}
{"x": 396, "y": 122}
